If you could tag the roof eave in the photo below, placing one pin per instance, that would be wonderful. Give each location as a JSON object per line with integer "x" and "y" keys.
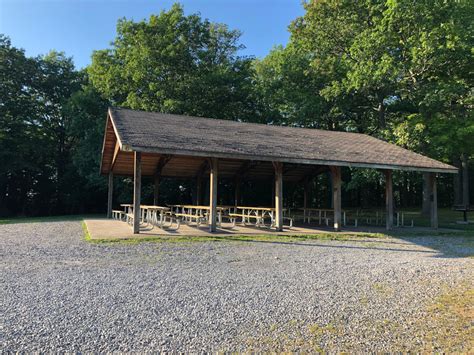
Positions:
{"x": 205, "y": 154}
{"x": 117, "y": 136}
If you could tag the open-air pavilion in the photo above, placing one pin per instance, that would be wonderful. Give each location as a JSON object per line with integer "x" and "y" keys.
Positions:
{"x": 138, "y": 144}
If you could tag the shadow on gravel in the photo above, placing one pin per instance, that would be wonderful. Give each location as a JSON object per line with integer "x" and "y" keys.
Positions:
{"x": 447, "y": 246}
{"x": 441, "y": 246}
{"x": 368, "y": 245}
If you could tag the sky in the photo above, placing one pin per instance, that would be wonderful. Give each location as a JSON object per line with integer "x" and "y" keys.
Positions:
{"x": 77, "y": 27}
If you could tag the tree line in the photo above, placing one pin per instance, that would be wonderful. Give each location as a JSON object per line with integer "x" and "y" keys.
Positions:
{"x": 398, "y": 70}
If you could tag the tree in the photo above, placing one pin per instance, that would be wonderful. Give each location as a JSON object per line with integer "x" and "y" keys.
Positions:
{"x": 286, "y": 89}
{"x": 398, "y": 70}
{"x": 177, "y": 64}
{"x": 41, "y": 128}
{"x": 19, "y": 142}
{"x": 57, "y": 82}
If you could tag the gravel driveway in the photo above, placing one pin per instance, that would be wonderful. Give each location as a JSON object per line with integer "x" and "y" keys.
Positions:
{"x": 61, "y": 293}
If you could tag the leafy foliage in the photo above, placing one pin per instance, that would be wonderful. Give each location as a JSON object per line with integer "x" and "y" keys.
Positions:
{"x": 177, "y": 64}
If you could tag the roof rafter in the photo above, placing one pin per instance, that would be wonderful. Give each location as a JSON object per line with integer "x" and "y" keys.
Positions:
{"x": 164, "y": 159}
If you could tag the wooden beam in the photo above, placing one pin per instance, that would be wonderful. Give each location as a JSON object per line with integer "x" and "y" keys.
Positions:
{"x": 237, "y": 190}
{"x": 278, "y": 166}
{"x": 246, "y": 167}
{"x": 202, "y": 168}
{"x": 263, "y": 158}
{"x": 433, "y": 202}
{"x": 110, "y": 194}
{"x": 315, "y": 171}
{"x": 137, "y": 185}
{"x": 389, "y": 199}
{"x": 213, "y": 163}
{"x": 199, "y": 175}
{"x": 336, "y": 196}
{"x": 290, "y": 167}
{"x": 306, "y": 187}
{"x": 164, "y": 159}
{"x": 114, "y": 157}
{"x": 156, "y": 189}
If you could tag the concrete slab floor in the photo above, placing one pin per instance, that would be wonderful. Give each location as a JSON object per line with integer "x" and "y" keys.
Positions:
{"x": 114, "y": 229}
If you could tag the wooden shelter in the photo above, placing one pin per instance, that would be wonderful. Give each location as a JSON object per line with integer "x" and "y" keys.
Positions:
{"x": 138, "y": 143}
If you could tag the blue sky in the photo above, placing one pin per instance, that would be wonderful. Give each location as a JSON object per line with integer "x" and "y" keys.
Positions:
{"x": 77, "y": 27}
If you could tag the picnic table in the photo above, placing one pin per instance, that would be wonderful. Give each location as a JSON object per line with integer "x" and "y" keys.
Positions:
{"x": 154, "y": 215}
{"x": 321, "y": 214}
{"x": 199, "y": 214}
{"x": 464, "y": 209}
{"x": 256, "y": 214}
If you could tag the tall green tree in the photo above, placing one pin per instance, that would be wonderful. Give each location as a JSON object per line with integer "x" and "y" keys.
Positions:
{"x": 20, "y": 143}
{"x": 177, "y": 64}
{"x": 57, "y": 82}
{"x": 398, "y": 70}
{"x": 39, "y": 134}
{"x": 287, "y": 90}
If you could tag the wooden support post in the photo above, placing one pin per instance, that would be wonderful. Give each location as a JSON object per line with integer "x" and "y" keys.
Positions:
{"x": 305, "y": 198}
{"x": 465, "y": 180}
{"x": 213, "y": 194}
{"x": 278, "y": 195}
{"x": 137, "y": 186}
{"x": 110, "y": 194}
{"x": 389, "y": 199}
{"x": 199, "y": 177}
{"x": 237, "y": 197}
{"x": 164, "y": 159}
{"x": 433, "y": 201}
{"x": 425, "y": 209}
{"x": 306, "y": 193}
{"x": 156, "y": 190}
{"x": 198, "y": 190}
{"x": 273, "y": 192}
{"x": 336, "y": 196}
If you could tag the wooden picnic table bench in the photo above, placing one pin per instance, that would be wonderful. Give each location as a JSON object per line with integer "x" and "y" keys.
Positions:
{"x": 189, "y": 212}
{"x": 118, "y": 214}
{"x": 154, "y": 215}
{"x": 321, "y": 214}
{"x": 258, "y": 214}
{"x": 158, "y": 216}
{"x": 199, "y": 218}
{"x": 464, "y": 209}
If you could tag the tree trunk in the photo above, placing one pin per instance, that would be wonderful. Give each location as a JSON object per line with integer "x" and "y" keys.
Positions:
{"x": 465, "y": 179}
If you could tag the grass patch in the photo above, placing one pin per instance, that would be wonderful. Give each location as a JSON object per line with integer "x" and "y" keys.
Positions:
{"x": 87, "y": 235}
{"x": 290, "y": 239}
{"x": 446, "y": 327}
{"x": 453, "y": 331}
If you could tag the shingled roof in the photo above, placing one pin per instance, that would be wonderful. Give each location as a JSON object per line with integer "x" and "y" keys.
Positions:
{"x": 153, "y": 132}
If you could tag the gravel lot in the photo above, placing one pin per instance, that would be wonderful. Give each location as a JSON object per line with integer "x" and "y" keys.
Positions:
{"x": 61, "y": 293}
